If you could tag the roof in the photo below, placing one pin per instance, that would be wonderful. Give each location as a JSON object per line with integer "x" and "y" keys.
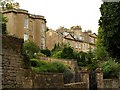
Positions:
{"x": 24, "y": 12}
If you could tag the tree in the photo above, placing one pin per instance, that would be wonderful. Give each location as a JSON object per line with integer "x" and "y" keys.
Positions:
{"x": 110, "y": 68}
{"x": 110, "y": 28}
{"x": 6, "y": 3}
{"x": 67, "y": 52}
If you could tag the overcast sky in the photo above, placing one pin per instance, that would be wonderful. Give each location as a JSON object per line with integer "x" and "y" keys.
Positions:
{"x": 65, "y": 13}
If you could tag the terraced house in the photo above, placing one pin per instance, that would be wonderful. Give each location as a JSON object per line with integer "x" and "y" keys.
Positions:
{"x": 27, "y": 26}
{"x": 80, "y": 41}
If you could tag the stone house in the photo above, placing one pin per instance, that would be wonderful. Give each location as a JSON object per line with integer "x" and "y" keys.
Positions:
{"x": 80, "y": 41}
{"x": 27, "y": 26}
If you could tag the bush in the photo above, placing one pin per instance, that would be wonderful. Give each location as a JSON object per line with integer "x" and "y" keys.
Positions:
{"x": 86, "y": 60}
{"x": 56, "y": 54}
{"x": 68, "y": 75}
{"x": 4, "y": 21}
{"x": 46, "y": 52}
{"x": 26, "y": 61}
{"x": 54, "y": 67}
{"x": 67, "y": 52}
{"x": 110, "y": 68}
{"x": 39, "y": 54}
{"x": 37, "y": 63}
{"x": 30, "y": 48}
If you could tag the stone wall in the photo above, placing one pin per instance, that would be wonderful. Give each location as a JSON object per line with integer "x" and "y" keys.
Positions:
{"x": 101, "y": 83}
{"x": 84, "y": 76}
{"x": 69, "y": 62}
{"x": 111, "y": 83}
{"x": 48, "y": 80}
{"x": 12, "y": 62}
{"x": 106, "y": 83}
{"x": 16, "y": 75}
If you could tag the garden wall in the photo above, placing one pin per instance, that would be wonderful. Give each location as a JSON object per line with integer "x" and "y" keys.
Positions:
{"x": 70, "y": 62}
{"x": 106, "y": 83}
{"x": 16, "y": 75}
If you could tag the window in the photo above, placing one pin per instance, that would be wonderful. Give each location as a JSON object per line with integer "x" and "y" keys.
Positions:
{"x": 26, "y": 37}
{"x": 91, "y": 40}
{"x": 31, "y": 26}
{"x": 77, "y": 45}
{"x": 26, "y": 22}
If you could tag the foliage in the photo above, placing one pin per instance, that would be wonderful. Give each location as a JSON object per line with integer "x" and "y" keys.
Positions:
{"x": 37, "y": 63}
{"x": 6, "y": 3}
{"x": 67, "y": 52}
{"x": 57, "y": 54}
{"x": 26, "y": 61}
{"x": 57, "y": 47}
{"x": 110, "y": 68}
{"x": 67, "y": 76}
{"x": 86, "y": 59}
{"x": 4, "y": 21}
{"x": 30, "y": 48}
{"x": 38, "y": 55}
{"x": 47, "y": 29}
{"x": 100, "y": 53}
{"x": 4, "y": 30}
{"x": 54, "y": 67}
{"x": 46, "y": 52}
{"x": 110, "y": 28}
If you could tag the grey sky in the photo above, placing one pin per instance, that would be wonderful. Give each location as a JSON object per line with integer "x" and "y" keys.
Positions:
{"x": 66, "y": 12}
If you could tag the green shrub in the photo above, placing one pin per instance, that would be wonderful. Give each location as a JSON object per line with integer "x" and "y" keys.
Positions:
{"x": 35, "y": 69}
{"x": 100, "y": 53}
{"x": 68, "y": 75}
{"x": 46, "y": 52}
{"x": 30, "y": 48}
{"x": 4, "y": 21}
{"x": 56, "y": 54}
{"x": 67, "y": 52}
{"x": 54, "y": 67}
{"x": 39, "y": 54}
{"x": 26, "y": 61}
{"x": 33, "y": 62}
{"x": 37, "y": 63}
{"x": 110, "y": 68}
